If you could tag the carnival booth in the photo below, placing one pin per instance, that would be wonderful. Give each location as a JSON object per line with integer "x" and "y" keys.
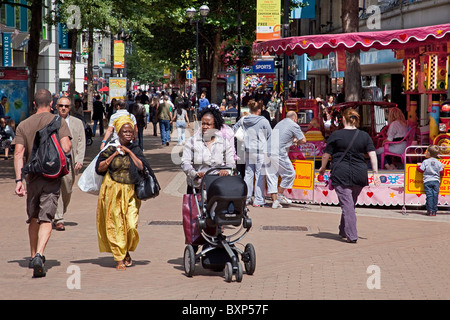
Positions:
{"x": 425, "y": 53}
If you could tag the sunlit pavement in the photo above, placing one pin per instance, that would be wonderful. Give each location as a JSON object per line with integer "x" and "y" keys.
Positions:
{"x": 299, "y": 254}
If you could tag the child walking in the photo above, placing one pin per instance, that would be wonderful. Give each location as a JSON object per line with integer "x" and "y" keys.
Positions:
{"x": 432, "y": 170}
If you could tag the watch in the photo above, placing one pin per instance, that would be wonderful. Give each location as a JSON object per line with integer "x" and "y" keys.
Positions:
{"x": 18, "y": 180}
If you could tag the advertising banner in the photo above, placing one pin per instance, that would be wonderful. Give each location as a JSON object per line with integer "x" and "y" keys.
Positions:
{"x": 304, "y": 174}
{"x": 14, "y": 86}
{"x": 119, "y": 54}
{"x": 263, "y": 66}
{"x": 7, "y": 52}
{"x": 117, "y": 88}
{"x": 268, "y": 20}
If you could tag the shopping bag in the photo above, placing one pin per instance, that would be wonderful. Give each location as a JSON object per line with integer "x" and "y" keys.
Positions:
{"x": 192, "y": 232}
{"x": 90, "y": 181}
{"x": 240, "y": 134}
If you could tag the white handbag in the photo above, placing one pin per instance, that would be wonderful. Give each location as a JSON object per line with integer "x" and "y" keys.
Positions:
{"x": 240, "y": 133}
{"x": 90, "y": 181}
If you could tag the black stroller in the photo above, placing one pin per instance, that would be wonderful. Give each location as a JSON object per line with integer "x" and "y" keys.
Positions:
{"x": 221, "y": 205}
{"x": 88, "y": 133}
{"x": 87, "y": 130}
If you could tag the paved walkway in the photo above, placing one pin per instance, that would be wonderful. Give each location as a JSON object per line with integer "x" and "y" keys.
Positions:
{"x": 396, "y": 257}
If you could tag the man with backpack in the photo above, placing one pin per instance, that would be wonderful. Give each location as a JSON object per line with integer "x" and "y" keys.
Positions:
{"x": 42, "y": 193}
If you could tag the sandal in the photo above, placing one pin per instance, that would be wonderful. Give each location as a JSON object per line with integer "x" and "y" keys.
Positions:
{"x": 127, "y": 261}
{"x": 121, "y": 266}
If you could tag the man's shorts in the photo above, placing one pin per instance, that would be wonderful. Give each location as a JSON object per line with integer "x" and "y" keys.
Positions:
{"x": 42, "y": 199}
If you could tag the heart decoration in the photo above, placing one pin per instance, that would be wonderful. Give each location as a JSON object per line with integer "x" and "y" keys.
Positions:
{"x": 325, "y": 193}
{"x": 418, "y": 195}
{"x": 403, "y": 36}
{"x": 333, "y": 41}
{"x": 370, "y": 194}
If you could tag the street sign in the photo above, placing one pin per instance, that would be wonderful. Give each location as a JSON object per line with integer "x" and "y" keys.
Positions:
{"x": 189, "y": 74}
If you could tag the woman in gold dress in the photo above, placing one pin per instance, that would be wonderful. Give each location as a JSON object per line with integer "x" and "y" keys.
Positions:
{"x": 118, "y": 206}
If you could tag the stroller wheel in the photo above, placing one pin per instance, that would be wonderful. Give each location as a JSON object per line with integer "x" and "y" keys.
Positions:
{"x": 88, "y": 141}
{"x": 189, "y": 260}
{"x": 249, "y": 258}
{"x": 239, "y": 272}
{"x": 228, "y": 271}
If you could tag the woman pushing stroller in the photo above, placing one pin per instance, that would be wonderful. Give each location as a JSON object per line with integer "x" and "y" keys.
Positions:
{"x": 221, "y": 202}
{"x": 208, "y": 148}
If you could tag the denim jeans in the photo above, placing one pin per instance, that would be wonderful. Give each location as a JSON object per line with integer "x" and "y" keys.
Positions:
{"x": 432, "y": 193}
{"x": 94, "y": 129}
{"x": 181, "y": 131}
{"x": 164, "y": 127}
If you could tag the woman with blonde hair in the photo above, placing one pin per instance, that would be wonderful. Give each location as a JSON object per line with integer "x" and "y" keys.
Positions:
{"x": 397, "y": 130}
{"x": 348, "y": 147}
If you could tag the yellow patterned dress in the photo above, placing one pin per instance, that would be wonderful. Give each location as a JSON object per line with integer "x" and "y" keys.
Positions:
{"x": 117, "y": 208}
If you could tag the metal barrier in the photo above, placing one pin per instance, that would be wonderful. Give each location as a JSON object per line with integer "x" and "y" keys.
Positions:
{"x": 309, "y": 151}
{"x": 415, "y": 152}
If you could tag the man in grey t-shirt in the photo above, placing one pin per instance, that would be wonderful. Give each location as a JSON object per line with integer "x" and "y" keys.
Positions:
{"x": 288, "y": 132}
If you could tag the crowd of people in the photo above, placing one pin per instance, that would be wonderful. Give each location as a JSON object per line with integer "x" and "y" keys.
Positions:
{"x": 260, "y": 156}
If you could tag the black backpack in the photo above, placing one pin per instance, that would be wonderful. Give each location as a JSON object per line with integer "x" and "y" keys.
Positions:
{"x": 48, "y": 159}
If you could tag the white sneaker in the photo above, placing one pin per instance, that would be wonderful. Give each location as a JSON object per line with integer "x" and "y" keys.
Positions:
{"x": 276, "y": 205}
{"x": 283, "y": 199}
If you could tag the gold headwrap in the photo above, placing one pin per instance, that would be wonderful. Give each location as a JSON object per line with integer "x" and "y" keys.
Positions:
{"x": 119, "y": 122}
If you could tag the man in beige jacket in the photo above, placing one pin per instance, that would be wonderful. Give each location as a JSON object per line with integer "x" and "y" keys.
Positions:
{"x": 77, "y": 157}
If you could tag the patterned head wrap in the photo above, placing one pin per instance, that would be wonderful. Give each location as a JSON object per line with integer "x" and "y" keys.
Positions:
{"x": 119, "y": 122}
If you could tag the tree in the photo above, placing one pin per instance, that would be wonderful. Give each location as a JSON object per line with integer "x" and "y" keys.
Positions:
{"x": 171, "y": 33}
{"x": 103, "y": 17}
{"x": 350, "y": 23}
{"x": 143, "y": 67}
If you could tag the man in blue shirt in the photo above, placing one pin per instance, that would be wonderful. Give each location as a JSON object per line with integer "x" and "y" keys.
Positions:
{"x": 203, "y": 102}
{"x": 231, "y": 112}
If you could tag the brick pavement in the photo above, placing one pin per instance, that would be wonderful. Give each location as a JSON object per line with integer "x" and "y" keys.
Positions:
{"x": 412, "y": 252}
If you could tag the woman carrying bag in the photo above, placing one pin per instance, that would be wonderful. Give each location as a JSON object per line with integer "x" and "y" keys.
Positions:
{"x": 349, "y": 169}
{"x": 118, "y": 204}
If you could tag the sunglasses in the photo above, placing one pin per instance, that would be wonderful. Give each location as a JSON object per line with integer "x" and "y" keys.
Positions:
{"x": 64, "y": 106}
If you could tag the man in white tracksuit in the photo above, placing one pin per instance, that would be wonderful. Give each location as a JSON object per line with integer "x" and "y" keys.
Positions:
{"x": 285, "y": 133}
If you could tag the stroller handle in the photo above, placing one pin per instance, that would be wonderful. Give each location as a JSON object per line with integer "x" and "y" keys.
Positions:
{"x": 211, "y": 170}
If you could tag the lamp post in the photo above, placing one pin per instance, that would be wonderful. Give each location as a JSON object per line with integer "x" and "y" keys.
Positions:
{"x": 191, "y": 13}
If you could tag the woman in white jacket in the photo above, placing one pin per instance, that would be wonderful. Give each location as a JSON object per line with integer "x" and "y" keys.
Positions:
{"x": 207, "y": 149}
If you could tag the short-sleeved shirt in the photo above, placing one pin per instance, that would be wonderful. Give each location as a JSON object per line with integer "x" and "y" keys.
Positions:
{"x": 286, "y": 130}
{"x": 352, "y": 170}
{"x": 27, "y": 129}
{"x": 431, "y": 168}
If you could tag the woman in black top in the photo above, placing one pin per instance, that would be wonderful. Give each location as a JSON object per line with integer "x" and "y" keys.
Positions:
{"x": 350, "y": 175}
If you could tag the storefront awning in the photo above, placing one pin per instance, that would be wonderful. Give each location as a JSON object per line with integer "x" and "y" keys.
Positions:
{"x": 326, "y": 43}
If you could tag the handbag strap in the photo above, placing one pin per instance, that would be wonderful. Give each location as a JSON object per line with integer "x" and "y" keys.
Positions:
{"x": 348, "y": 148}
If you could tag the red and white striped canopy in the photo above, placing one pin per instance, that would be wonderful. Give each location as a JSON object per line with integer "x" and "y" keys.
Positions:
{"x": 326, "y": 43}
